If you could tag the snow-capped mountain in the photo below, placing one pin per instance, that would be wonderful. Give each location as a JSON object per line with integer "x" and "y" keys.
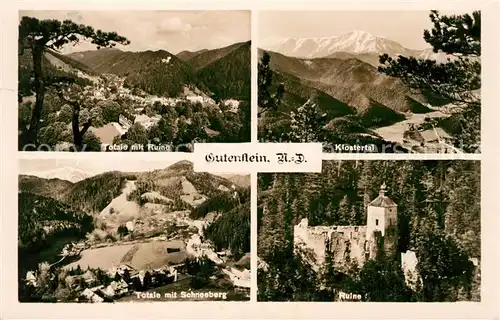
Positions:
{"x": 66, "y": 173}
{"x": 353, "y": 43}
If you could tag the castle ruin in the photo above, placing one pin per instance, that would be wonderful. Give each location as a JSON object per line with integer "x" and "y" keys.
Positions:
{"x": 352, "y": 243}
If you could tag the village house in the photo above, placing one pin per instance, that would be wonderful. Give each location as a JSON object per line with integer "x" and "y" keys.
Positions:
{"x": 75, "y": 283}
{"x": 211, "y": 133}
{"x": 108, "y": 132}
{"x": 115, "y": 289}
{"x": 240, "y": 279}
{"x": 232, "y": 104}
{"x": 124, "y": 122}
{"x": 223, "y": 188}
{"x": 91, "y": 296}
{"x": 194, "y": 99}
{"x": 31, "y": 278}
{"x": 146, "y": 121}
{"x": 89, "y": 277}
{"x": 119, "y": 270}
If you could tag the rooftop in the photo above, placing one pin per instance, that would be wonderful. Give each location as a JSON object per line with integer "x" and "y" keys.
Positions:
{"x": 382, "y": 200}
{"x": 107, "y": 133}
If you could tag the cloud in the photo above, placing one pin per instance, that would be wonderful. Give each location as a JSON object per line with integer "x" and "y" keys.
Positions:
{"x": 173, "y": 31}
{"x": 173, "y": 25}
{"x": 75, "y": 16}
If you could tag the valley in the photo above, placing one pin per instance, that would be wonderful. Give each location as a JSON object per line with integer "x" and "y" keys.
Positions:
{"x": 407, "y": 134}
{"x": 138, "y": 101}
{"x": 337, "y": 81}
{"x": 163, "y": 226}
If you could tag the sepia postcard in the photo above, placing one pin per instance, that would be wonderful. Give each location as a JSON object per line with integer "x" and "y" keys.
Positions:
{"x": 134, "y": 81}
{"x": 371, "y": 81}
{"x": 149, "y": 232}
{"x": 222, "y": 159}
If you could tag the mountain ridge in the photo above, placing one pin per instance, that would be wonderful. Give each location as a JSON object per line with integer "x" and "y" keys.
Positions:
{"x": 70, "y": 174}
{"x": 164, "y": 74}
{"x": 351, "y": 81}
{"x": 88, "y": 195}
{"x": 356, "y": 43}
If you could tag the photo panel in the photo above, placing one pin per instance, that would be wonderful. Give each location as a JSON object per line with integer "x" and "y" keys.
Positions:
{"x": 136, "y": 231}
{"x": 371, "y": 81}
{"x": 134, "y": 81}
{"x": 371, "y": 231}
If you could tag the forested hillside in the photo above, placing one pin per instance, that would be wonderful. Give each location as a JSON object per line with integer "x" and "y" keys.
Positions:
{"x": 93, "y": 194}
{"x": 439, "y": 218}
{"x": 403, "y": 100}
{"x": 52, "y": 188}
{"x": 351, "y": 81}
{"x": 232, "y": 230}
{"x": 90, "y": 195}
{"x": 51, "y": 72}
{"x": 43, "y": 219}
{"x": 230, "y": 76}
{"x": 225, "y": 71}
{"x": 156, "y": 72}
{"x": 200, "y": 59}
{"x": 171, "y": 102}
{"x": 187, "y": 55}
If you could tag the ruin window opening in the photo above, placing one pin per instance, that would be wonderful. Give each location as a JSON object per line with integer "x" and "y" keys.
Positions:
{"x": 376, "y": 222}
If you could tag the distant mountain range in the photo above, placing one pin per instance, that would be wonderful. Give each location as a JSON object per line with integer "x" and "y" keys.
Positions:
{"x": 158, "y": 72}
{"x": 94, "y": 193}
{"x": 186, "y": 55}
{"x": 70, "y": 174}
{"x": 341, "y": 74}
{"x": 344, "y": 86}
{"x": 50, "y": 210}
{"x": 355, "y": 44}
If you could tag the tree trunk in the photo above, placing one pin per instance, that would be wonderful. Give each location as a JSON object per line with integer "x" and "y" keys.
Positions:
{"x": 77, "y": 133}
{"x": 77, "y": 137}
{"x": 32, "y": 134}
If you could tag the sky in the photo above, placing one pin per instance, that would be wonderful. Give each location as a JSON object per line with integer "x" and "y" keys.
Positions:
{"x": 173, "y": 31}
{"x": 137, "y": 164}
{"x": 404, "y": 27}
{"x": 33, "y": 166}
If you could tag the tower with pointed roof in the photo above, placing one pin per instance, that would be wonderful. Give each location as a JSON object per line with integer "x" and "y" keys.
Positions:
{"x": 382, "y": 216}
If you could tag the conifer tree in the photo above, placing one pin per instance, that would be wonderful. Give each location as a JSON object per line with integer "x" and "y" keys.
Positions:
{"x": 306, "y": 124}
{"x": 344, "y": 210}
{"x": 40, "y": 36}
{"x": 266, "y": 99}
{"x": 456, "y": 81}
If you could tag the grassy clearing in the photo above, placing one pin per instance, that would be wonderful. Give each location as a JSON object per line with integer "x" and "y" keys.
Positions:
{"x": 147, "y": 255}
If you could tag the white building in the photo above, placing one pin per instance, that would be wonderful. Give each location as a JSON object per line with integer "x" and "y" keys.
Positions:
{"x": 146, "y": 121}
{"x": 124, "y": 122}
{"x": 195, "y": 99}
{"x": 31, "y": 278}
{"x": 238, "y": 278}
{"x": 233, "y": 105}
{"x": 91, "y": 296}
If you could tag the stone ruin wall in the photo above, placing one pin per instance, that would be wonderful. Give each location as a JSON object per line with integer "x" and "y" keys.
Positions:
{"x": 347, "y": 243}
